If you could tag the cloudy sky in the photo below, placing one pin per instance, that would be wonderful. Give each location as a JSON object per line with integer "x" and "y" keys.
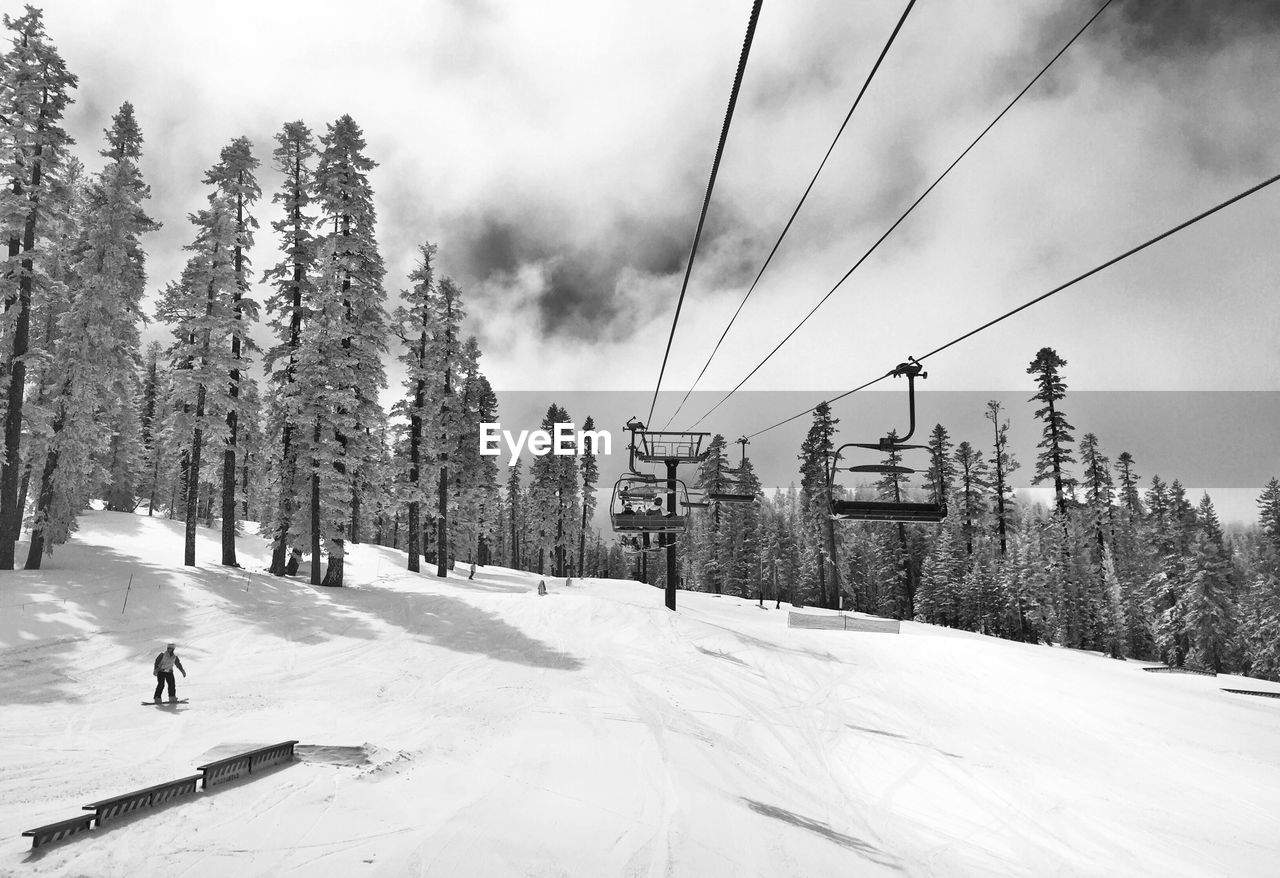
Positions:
{"x": 558, "y": 152}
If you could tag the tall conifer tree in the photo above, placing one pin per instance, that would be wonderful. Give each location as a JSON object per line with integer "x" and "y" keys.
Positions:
{"x": 233, "y": 179}
{"x": 94, "y": 375}
{"x": 35, "y": 90}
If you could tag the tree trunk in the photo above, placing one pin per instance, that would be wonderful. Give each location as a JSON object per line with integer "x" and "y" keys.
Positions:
{"x": 414, "y": 565}
{"x": 10, "y": 513}
{"x": 284, "y": 510}
{"x": 35, "y": 553}
{"x": 229, "y": 497}
{"x": 316, "y": 577}
{"x": 193, "y": 490}
{"x": 442, "y": 524}
{"x": 333, "y": 576}
{"x": 355, "y": 514}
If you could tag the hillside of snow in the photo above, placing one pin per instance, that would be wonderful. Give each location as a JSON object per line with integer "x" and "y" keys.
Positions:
{"x": 474, "y": 728}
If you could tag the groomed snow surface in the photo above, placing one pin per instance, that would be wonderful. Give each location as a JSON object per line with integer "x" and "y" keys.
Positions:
{"x": 473, "y": 728}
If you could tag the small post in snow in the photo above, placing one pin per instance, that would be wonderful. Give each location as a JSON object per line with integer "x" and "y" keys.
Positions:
{"x": 126, "y": 594}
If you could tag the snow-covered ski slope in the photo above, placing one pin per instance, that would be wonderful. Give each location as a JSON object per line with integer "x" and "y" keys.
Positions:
{"x": 455, "y": 728}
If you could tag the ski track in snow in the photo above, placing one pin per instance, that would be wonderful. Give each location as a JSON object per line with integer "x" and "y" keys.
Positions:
{"x": 458, "y": 728}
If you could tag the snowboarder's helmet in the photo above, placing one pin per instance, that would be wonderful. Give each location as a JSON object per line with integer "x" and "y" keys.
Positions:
{"x": 171, "y": 646}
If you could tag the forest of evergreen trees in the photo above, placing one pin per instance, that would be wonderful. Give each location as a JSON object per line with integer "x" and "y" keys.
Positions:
{"x": 213, "y": 431}
{"x": 1119, "y": 564}
{"x": 210, "y": 429}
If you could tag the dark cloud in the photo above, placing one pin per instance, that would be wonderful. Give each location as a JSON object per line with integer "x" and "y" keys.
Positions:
{"x": 1148, "y": 28}
{"x": 587, "y": 274}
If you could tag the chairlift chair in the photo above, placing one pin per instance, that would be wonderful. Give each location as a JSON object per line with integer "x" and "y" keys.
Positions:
{"x": 882, "y": 510}
{"x": 642, "y": 504}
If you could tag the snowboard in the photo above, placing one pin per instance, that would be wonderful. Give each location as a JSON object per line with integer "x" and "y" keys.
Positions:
{"x": 164, "y": 703}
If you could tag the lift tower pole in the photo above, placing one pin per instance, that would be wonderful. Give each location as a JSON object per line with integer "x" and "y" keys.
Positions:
{"x": 672, "y": 568}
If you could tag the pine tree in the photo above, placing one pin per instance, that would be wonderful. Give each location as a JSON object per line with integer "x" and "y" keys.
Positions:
{"x": 94, "y": 376}
{"x": 815, "y": 453}
{"x": 234, "y": 181}
{"x": 1209, "y": 617}
{"x": 1269, "y": 513}
{"x": 445, "y": 425}
{"x": 974, "y": 482}
{"x": 515, "y": 513}
{"x": 199, "y": 309}
{"x": 1055, "y": 445}
{"x": 1129, "y": 498}
{"x": 485, "y": 477}
{"x": 1114, "y": 624}
{"x": 288, "y": 305}
{"x": 414, "y": 322}
{"x": 350, "y": 338}
{"x": 1003, "y": 463}
{"x": 149, "y": 423}
{"x": 892, "y": 487}
{"x": 34, "y": 94}
{"x": 553, "y": 501}
{"x": 590, "y": 473}
{"x": 939, "y": 596}
{"x": 939, "y": 481}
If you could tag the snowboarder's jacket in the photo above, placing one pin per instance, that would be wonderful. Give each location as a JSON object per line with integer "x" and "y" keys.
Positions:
{"x": 165, "y": 663}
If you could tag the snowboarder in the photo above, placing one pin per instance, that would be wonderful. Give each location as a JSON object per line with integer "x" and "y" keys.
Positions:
{"x": 542, "y": 586}
{"x": 295, "y": 558}
{"x": 163, "y": 668}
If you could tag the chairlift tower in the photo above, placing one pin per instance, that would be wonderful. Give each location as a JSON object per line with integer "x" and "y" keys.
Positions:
{"x": 671, "y": 449}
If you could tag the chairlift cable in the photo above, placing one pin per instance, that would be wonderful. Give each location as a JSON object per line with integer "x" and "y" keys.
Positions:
{"x": 908, "y": 211}
{"x": 1110, "y": 262}
{"x": 706, "y": 201}
{"x": 786, "y": 228}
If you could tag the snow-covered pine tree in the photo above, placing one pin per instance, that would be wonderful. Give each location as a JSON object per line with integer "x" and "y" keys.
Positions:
{"x": 251, "y": 472}
{"x": 486, "y": 477}
{"x": 939, "y": 481}
{"x": 199, "y": 310}
{"x": 515, "y": 516}
{"x": 443, "y": 416}
{"x": 1130, "y": 560}
{"x": 1209, "y": 614}
{"x": 1099, "y": 487}
{"x": 234, "y": 181}
{"x": 35, "y": 88}
{"x": 938, "y": 599}
{"x": 351, "y": 336}
{"x": 414, "y": 323}
{"x": 590, "y": 473}
{"x": 292, "y": 281}
{"x": 892, "y": 487}
{"x": 1003, "y": 464}
{"x": 1114, "y": 632}
{"x": 708, "y": 556}
{"x": 552, "y": 507}
{"x": 55, "y": 267}
{"x": 815, "y": 453}
{"x": 1269, "y": 512}
{"x": 746, "y": 564}
{"x": 467, "y": 470}
{"x": 1056, "y": 438}
{"x": 95, "y": 370}
{"x": 973, "y": 483}
{"x": 149, "y": 422}
{"x": 1130, "y": 501}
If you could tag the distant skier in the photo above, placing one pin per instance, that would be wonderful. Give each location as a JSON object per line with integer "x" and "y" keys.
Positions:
{"x": 163, "y": 668}
{"x": 542, "y": 586}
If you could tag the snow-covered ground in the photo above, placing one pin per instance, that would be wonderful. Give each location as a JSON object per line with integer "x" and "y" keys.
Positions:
{"x": 456, "y": 728}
